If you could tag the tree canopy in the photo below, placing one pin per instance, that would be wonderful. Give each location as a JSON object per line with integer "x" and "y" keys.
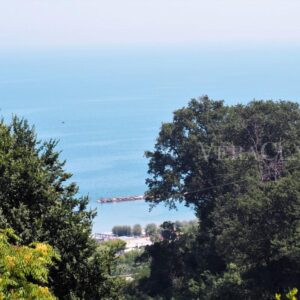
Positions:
{"x": 137, "y": 230}
{"x": 238, "y": 167}
{"x": 40, "y": 203}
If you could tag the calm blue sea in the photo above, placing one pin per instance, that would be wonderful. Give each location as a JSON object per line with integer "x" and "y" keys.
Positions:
{"x": 106, "y": 108}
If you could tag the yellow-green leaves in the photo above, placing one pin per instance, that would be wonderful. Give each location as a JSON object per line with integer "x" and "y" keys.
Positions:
{"x": 24, "y": 269}
{"x": 277, "y": 296}
{"x": 291, "y": 295}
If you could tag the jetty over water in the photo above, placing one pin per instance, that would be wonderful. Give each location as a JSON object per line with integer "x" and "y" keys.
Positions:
{"x": 121, "y": 199}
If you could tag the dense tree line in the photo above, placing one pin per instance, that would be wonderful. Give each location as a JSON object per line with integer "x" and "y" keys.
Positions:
{"x": 126, "y": 230}
{"x": 153, "y": 231}
{"x": 239, "y": 167}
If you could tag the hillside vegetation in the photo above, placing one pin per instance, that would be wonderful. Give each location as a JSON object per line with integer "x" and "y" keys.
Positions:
{"x": 237, "y": 166}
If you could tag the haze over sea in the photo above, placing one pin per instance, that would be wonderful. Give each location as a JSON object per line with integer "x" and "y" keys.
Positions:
{"x": 106, "y": 108}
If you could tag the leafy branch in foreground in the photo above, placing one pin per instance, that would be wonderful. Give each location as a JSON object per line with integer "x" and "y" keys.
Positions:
{"x": 291, "y": 295}
{"x": 24, "y": 269}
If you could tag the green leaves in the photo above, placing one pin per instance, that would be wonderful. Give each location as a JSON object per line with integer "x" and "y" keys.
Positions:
{"x": 238, "y": 166}
{"x": 40, "y": 204}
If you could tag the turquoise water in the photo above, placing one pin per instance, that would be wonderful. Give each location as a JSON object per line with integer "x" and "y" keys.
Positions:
{"x": 106, "y": 108}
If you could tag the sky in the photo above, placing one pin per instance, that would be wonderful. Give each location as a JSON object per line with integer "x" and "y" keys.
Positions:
{"x": 34, "y": 24}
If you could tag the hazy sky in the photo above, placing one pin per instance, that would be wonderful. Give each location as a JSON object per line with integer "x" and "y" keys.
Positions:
{"x": 90, "y": 23}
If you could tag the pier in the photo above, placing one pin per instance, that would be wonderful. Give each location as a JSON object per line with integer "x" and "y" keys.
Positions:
{"x": 121, "y": 199}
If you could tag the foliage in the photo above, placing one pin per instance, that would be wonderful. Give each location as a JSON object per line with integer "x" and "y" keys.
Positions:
{"x": 128, "y": 265}
{"x": 168, "y": 260}
{"x": 40, "y": 204}
{"x": 152, "y": 231}
{"x": 169, "y": 231}
{"x": 24, "y": 269}
{"x": 238, "y": 167}
{"x": 115, "y": 246}
{"x": 291, "y": 295}
{"x": 137, "y": 230}
{"x": 158, "y": 233}
{"x": 107, "y": 259}
{"x": 186, "y": 226}
{"x": 122, "y": 230}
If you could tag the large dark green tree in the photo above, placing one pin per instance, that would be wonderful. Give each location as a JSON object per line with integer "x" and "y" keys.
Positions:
{"x": 40, "y": 204}
{"x": 238, "y": 166}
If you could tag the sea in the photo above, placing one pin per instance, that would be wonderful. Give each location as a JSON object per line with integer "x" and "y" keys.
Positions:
{"x": 106, "y": 106}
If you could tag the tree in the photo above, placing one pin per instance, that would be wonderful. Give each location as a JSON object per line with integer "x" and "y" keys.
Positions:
{"x": 114, "y": 246}
{"x": 122, "y": 230}
{"x": 170, "y": 262}
{"x": 152, "y": 231}
{"x": 24, "y": 269}
{"x": 137, "y": 230}
{"x": 169, "y": 231}
{"x": 40, "y": 204}
{"x": 238, "y": 167}
{"x": 265, "y": 226}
